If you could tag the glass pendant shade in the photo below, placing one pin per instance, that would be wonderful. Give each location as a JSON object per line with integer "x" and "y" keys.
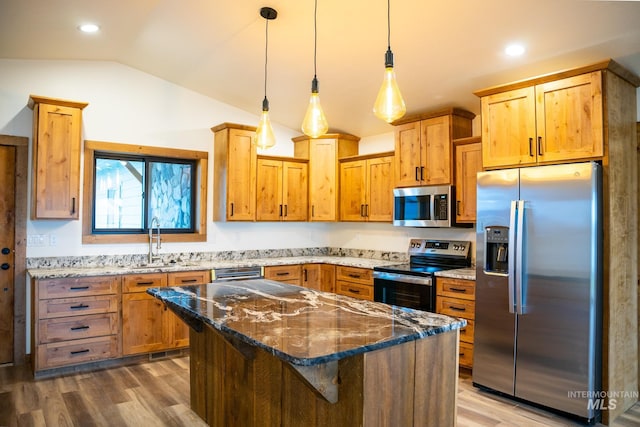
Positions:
{"x": 389, "y": 105}
{"x": 315, "y": 122}
{"x": 264, "y": 132}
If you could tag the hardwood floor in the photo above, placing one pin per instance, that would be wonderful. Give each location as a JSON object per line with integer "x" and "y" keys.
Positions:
{"x": 157, "y": 394}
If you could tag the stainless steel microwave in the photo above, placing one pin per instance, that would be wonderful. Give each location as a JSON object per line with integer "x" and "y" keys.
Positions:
{"x": 430, "y": 206}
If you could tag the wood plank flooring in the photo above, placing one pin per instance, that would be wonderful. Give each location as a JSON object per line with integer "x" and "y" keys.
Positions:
{"x": 157, "y": 394}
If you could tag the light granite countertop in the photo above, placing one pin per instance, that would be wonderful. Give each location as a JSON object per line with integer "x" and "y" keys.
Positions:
{"x": 458, "y": 273}
{"x": 301, "y": 326}
{"x": 81, "y": 271}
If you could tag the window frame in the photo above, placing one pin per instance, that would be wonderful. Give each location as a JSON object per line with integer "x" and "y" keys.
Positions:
{"x": 200, "y": 158}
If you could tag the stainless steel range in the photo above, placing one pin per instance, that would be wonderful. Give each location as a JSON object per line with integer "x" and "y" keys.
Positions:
{"x": 412, "y": 284}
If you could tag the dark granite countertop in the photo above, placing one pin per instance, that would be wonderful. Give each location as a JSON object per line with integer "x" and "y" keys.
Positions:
{"x": 299, "y": 325}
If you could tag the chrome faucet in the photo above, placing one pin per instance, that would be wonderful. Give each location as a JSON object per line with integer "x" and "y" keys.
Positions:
{"x": 153, "y": 256}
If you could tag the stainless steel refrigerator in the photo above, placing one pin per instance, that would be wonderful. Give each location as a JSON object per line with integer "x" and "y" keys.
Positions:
{"x": 539, "y": 285}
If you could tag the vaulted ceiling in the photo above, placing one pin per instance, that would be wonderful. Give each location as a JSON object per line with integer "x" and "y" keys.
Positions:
{"x": 444, "y": 50}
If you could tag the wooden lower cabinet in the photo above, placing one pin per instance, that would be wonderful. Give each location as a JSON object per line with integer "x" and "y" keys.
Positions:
{"x": 290, "y": 274}
{"x": 74, "y": 321}
{"x": 321, "y": 277}
{"x": 456, "y": 298}
{"x": 354, "y": 282}
{"x": 147, "y": 325}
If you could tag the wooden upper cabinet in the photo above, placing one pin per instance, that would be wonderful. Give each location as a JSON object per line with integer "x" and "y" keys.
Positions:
{"x": 234, "y": 173}
{"x": 282, "y": 189}
{"x": 424, "y": 149}
{"x": 468, "y": 152}
{"x": 569, "y": 118}
{"x": 549, "y": 122}
{"x": 57, "y": 140}
{"x": 366, "y": 188}
{"x": 323, "y": 154}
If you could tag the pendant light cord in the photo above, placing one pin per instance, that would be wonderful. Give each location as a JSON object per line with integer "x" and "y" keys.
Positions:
{"x": 266, "y": 46}
{"x": 315, "y": 37}
{"x": 389, "y": 24}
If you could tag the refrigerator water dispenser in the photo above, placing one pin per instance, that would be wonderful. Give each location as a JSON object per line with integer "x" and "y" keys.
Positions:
{"x": 497, "y": 249}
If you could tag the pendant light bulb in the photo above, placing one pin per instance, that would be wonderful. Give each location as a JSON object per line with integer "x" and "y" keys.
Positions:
{"x": 315, "y": 122}
{"x": 389, "y": 105}
{"x": 264, "y": 132}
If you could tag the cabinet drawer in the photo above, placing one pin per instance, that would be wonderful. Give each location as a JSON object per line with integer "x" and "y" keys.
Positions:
{"x": 283, "y": 272}
{"x": 455, "y": 307}
{"x": 141, "y": 282}
{"x": 355, "y": 290}
{"x": 77, "y": 351}
{"x": 76, "y": 327}
{"x": 80, "y": 306}
{"x": 77, "y": 287}
{"x": 456, "y": 288}
{"x": 466, "y": 333}
{"x": 182, "y": 278}
{"x": 465, "y": 353}
{"x": 355, "y": 274}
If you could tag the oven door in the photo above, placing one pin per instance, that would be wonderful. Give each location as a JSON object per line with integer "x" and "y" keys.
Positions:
{"x": 404, "y": 290}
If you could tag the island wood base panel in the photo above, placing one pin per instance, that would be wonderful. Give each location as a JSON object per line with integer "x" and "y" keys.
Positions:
{"x": 411, "y": 384}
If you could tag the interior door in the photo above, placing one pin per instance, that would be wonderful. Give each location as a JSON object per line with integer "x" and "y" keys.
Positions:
{"x": 7, "y": 239}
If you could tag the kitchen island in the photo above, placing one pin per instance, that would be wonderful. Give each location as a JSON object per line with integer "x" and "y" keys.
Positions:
{"x": 268, "y": 353}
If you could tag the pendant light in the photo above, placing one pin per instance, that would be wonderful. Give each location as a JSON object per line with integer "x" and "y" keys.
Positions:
{"x": 315, "y": 123}
{"x": 264, "y": 132}
{"x": 389, "y": 105}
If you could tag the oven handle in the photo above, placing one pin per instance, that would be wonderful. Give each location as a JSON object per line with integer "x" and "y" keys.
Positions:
{"x": 403, "y": 278}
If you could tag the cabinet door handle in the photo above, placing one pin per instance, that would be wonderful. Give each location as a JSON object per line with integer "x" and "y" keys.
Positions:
{"x": 366, "y": 210}
{"x": 286, "y": 210}
{"x": 280, "y": 210}
{"x": 231, "y": 209}
{"x": 73, "y": 205}
{"x": 540, "y": 146}
{"x": 530, "y": 147}
{"x": 313, "y": 211}
{"x": 361, "y": 210}
{"x": 304, "y": 274}
{"x": 458, "y": 207}
{"x": 421, "y": 173}
{"x": 417, "y": 170}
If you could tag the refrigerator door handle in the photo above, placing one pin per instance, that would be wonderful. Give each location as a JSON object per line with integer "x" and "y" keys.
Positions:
{"x": 511, "y": 262}
{"x": 520, "y": 306}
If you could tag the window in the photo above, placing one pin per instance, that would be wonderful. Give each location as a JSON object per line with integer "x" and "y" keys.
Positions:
{"x": 131, "y": 190}
{"x": 126, "y": 186}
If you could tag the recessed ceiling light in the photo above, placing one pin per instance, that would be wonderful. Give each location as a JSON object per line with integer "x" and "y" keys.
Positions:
{"x": 514, "y": 50}
{"x": 89, "y": 28}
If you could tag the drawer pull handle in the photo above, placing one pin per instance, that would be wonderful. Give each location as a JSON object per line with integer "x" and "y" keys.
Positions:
{"x": 78, "y": 288}
{"x": 355, "y": 276}
{"x": 79, "y": 307}
{"x": 80, "y": 328}
{"x": 282, "y": 273}
{"x": 461, "y": 354}
{"x": 73, "y": 353}
{"x": 188, "y": 280}
{"x": 453, "y": 307}
{"x": 144, "y": 283}
{"x": 355, "y": 291}
{"x": 458, "y": 290}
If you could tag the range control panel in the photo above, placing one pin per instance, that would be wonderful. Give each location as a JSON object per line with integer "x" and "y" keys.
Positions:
{"x": 457, "y": 248}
